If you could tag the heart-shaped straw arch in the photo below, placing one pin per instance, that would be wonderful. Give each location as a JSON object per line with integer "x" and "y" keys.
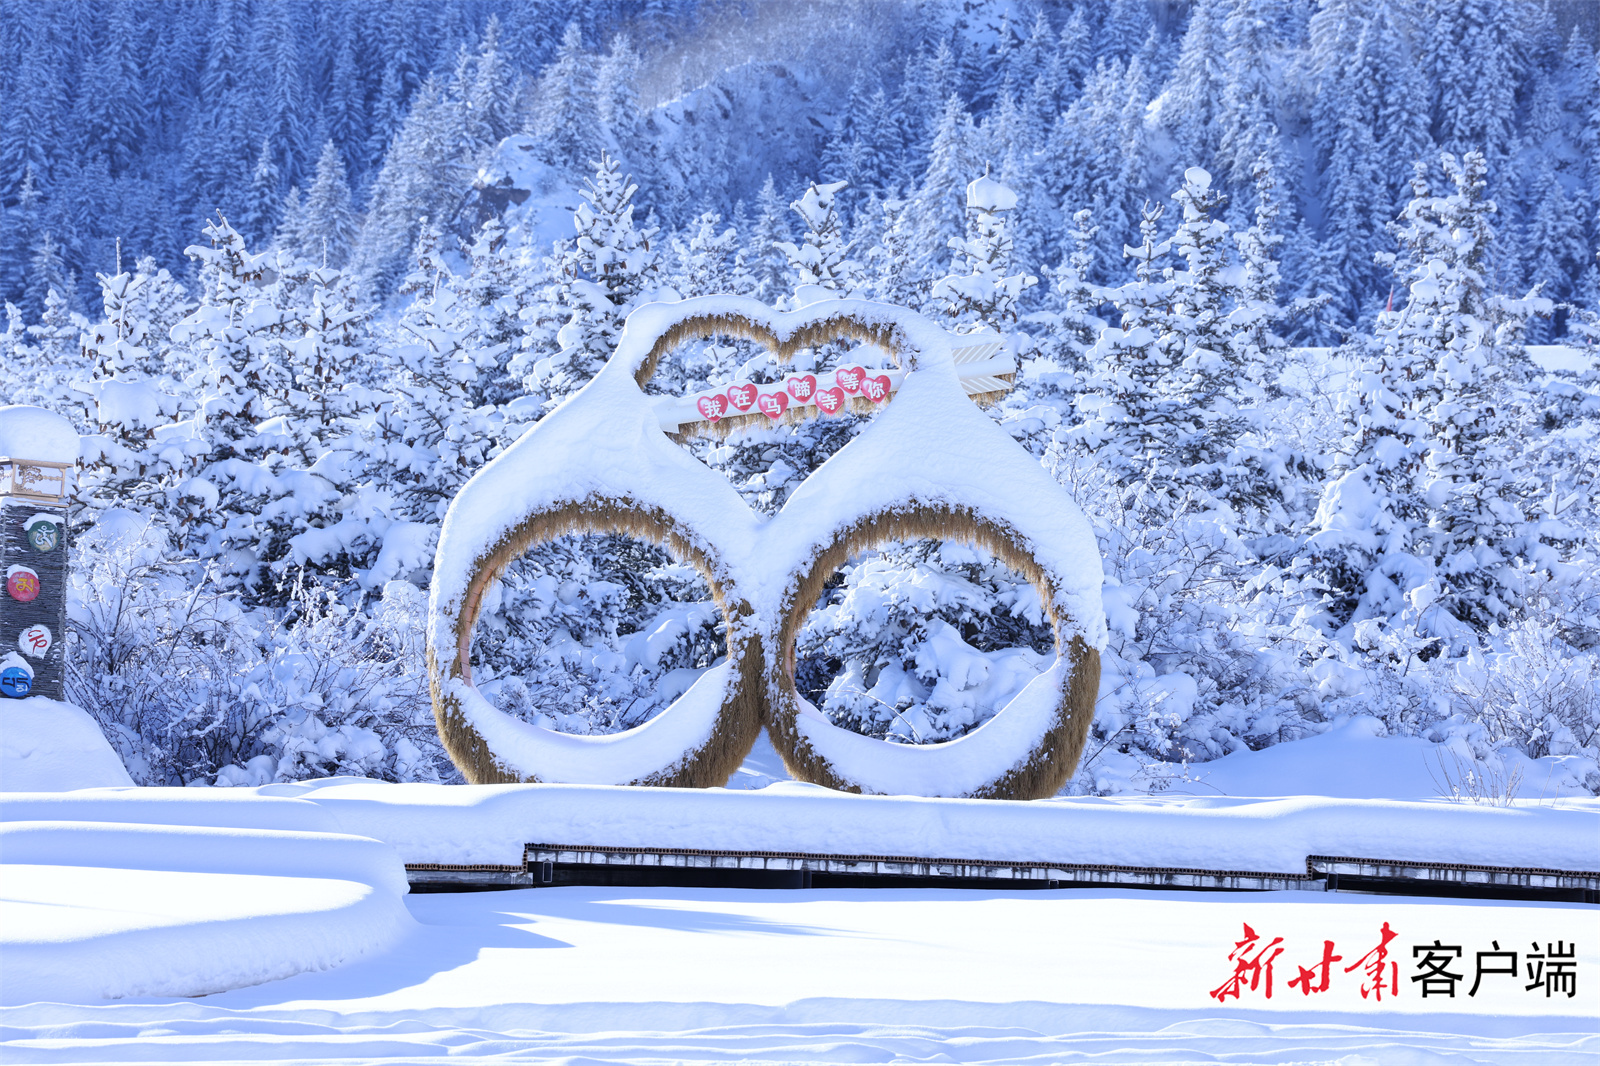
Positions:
{"x": 635, "y": 480}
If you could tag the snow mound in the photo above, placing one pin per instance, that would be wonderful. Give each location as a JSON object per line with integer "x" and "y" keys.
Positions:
{"x": 1357, "y": 760}
{"x": 203, "y": 849}
{"x": 33, "y": 433}
{"x": 76, "y": 933}
{"x": 490, "y": 824}
{"x": 223, "y": 808}
{"x": 49, "y": 746}
{"x": 98, "y": 903}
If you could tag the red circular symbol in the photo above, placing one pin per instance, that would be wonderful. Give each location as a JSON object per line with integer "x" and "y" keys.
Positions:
{"x": 23, "y": 584}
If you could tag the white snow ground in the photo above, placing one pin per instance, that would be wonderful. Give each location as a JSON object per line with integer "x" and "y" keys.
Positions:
{"x": 491, "y": 823}
{"x": 125, "y": 913}
{"x": 49, "y": 746}
{"x": 700, "y": 976}
{"x": 92, "y": 909}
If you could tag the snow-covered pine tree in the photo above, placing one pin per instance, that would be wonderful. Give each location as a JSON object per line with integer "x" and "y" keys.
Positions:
{"x": 1386, "y": 523}
{"x": 1193, "y": 103}
{"x": 1474, "y": 502}
{"x": 610, "y": 266}
{"x": 1201, "y": 293}
{"x": 843, "y": 152}
{"x": 1131, "y": 413}
{"x": 617, "y": 97}
{"x": 425, "y": 445}
{"x": 328, "y": 362}
{"x": 489, "y": 298}
{"x": 246, "y": 477}
{"x": 1355, "y": 198}
{"x": 567, "y": 119}
{"x": 47, "y": 272}
{"x": 122, "y": 464}
{"x": 264, "y": 197}
{"x": 1583, "y": 322}
{"x": 935, "y": 213}
{"x": 1257, "y": 473}
{"x": 19, "y": 230}
{"x": 1357, "y": 554}
{"x": 823, "y": 261}
{"x": 55, "y": 357}
{"x": 887, "y": 264}
{"x": 1553, "y": 239}
{"x": 485, "y": 91}
{"x": 321, "y": 514}
{"x": 764, "y": 252}
{"x": 1054, "y": 360}
{"x": 117, "y": 342}
{"x": 985, "y": 296}
{"x": 708, "y": 260}
{"x": 1074, "y": 299}
{"x": 1064, "y": 65}
{"x": 882, "y": 150}
{"x": 219, "y": 486}
{"x": 422, "y": 175}
{"x": 1014, "y": 139}
{"x": 326, "y": 224}
{"x": 1248, "y": 127}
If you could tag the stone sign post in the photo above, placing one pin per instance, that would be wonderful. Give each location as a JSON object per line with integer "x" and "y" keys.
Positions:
{"x": 38, "y": 452}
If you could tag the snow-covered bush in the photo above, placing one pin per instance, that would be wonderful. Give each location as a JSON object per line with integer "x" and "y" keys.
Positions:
{"x": 921, "y": 642}
{"x": 595, "y": 634}
{"x": 1538, "y": 693}
{"x": 192, "y": 688}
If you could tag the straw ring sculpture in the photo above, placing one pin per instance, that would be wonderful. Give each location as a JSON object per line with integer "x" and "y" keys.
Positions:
{"x": 565, "y": 476}
{"x": 739, "y": 720}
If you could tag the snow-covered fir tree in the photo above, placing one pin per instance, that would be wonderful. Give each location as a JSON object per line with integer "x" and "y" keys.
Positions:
{"x": 986, "y": 295}
{"x": 822, "y": 260}
{"x": 1131, "y": 412}
{"x": 611, "y": 265}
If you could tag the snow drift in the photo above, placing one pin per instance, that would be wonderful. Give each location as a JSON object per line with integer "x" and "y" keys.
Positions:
{"x": 48, "y": 746}
{"x": 107, "y": 895}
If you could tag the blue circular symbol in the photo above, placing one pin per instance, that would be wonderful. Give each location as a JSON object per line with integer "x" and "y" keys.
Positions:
{"x": 15, "y": 682}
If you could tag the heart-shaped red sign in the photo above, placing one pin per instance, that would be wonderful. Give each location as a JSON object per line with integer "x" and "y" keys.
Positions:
{"x": 742, "y": 396}
{"x": 876, "y": 389}
{"x": 712, "y": 407}
{"x": 773, "y": 404}
{"x": 850, "y": 378}
{"x": 830, "y": 401}
{"x": 804, "y": 387}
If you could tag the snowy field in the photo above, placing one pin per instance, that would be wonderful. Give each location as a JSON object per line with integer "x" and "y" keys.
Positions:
{"x": 687, "y": 976}
{"x": 273, "y": 924}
